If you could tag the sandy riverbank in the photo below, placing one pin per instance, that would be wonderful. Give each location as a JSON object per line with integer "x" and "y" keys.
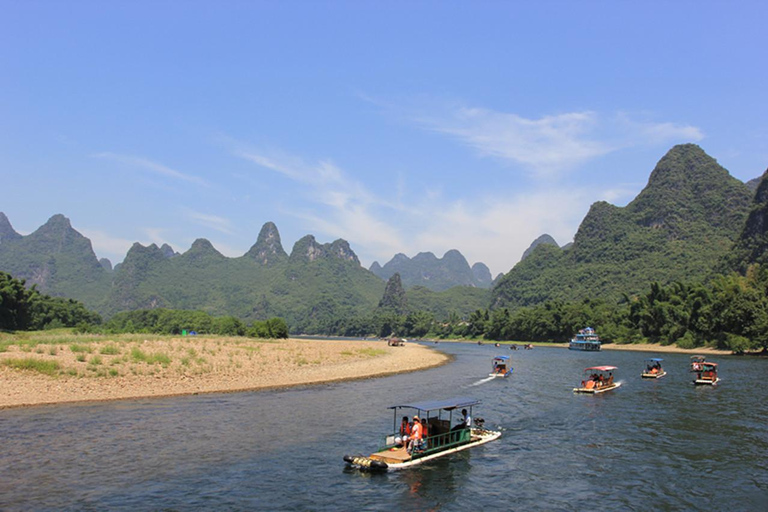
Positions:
{"x": 114, "y": 369}
{"x": 638, "y": 347}
{"x": 666, "y": 349}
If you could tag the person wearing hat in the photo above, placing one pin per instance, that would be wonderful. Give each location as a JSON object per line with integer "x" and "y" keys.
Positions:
{"x": 415, "y": 434}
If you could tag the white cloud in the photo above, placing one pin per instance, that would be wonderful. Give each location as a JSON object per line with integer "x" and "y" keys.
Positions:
{"x": 155, "y": 167}
{"x": 334, "y": 203}
{"x": 211, "y": 221}
{"x": 546, "y": 145}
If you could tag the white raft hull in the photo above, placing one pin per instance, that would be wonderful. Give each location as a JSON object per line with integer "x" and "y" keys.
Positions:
{"x": 594, "y": 391}
{"x": 478, "y": 437}
{"x": 653, "y": 375}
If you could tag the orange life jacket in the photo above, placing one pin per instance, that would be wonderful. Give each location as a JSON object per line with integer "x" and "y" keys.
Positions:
{"x": 416, "y": 431}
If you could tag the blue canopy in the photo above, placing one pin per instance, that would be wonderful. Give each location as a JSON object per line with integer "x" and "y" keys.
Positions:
{"x": 433, "y": 405}
{"x": 656, "y": 359}
{"x": 502, "y": 357}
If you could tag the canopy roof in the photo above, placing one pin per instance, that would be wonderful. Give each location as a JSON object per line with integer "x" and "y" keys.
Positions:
{"x": 707, "y": 363}
{"x": 655, "y": 359}
{"x": 502, "y": 357}
{"x": 433, "y": 405}
{"x": 600, "y": 368}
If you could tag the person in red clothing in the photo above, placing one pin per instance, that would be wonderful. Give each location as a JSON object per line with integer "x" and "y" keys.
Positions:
{"x": 415, "y": 435}
{"x": 405, "y": 432}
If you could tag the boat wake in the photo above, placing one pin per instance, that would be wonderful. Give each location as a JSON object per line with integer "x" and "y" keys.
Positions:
{"x": 482, "y": 381}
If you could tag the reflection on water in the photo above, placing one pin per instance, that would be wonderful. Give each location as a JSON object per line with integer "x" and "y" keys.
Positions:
{"x": 662, "y": 443}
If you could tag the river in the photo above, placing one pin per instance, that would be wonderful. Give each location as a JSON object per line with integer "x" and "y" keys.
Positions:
{"x": 663, "y": 444}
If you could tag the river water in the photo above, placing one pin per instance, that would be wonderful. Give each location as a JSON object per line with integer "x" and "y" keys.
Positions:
{"x": 663, "y": 444}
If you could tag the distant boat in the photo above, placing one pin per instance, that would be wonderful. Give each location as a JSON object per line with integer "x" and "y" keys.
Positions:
{"x": 598, "y": 379}
{"x": 707, "y": 376}
{"x": 653, "y": 369}
{"x": 586, "y": 339}
{"x": 501, "y": 367}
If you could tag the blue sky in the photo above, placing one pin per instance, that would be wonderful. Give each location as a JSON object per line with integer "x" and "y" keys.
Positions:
{"x": 398, "y": 126}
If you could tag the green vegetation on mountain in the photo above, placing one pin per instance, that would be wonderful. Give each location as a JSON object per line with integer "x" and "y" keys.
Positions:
{"x": 57, "y": 259}
{"x": 668, "y": 240}
{"x": 313, "y": 286}
{"x": 752, "y": 244}
{"x": 438, "y": 274}
{"x": 676, "y": 229}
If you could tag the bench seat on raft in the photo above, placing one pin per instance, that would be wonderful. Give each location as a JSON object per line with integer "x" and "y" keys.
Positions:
{"x": 392, "y": 456}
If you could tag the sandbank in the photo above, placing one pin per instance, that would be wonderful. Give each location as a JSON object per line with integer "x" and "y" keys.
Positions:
{"x": 195, "y": 365}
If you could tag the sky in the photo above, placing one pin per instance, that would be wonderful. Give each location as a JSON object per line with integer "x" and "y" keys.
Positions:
{"x": 399, "y": 126}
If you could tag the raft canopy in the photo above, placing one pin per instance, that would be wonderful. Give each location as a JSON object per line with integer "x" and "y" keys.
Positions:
{"x": 501, "y": 358}
{"x": 447, "y": 404}
{"x": 655, "y": 359}
{"x": 601, "y": 368}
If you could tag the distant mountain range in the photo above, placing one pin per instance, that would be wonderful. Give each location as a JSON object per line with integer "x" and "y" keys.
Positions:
{"x": 311, "y": 287}
{"x": 437, "y": 274}
{"x": 691, "y": 219}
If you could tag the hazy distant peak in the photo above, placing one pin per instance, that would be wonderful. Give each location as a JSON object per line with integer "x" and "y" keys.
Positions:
{"x": 308, "y": 249}
{"x": 168, "y": 251}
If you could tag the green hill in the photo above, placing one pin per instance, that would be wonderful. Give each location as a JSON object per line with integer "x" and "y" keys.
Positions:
{"x": 684, "y": 220}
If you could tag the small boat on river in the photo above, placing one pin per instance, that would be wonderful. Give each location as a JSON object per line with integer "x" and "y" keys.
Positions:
{"x": 586, "y": 339}
{"x": 653, "y": 369}
{"x": 707, "y": 375}
{"x": 598, "y": 379}
{"x": 441, "y": 439}
{"x": 501, "y": 367}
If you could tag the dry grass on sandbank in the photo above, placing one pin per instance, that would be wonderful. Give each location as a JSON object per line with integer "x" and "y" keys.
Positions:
{"x": 57, "y": 366}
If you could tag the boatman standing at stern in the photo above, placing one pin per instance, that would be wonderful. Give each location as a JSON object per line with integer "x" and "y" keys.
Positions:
{"x": 466, "y": 418}
{"x": 415, "y": 434}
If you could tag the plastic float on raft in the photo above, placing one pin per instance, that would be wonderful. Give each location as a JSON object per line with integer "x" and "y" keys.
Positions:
{"x": 442, "y": 437}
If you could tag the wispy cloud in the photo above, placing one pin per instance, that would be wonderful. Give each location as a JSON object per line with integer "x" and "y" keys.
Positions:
{"x": 335, "y": 203}
{"x": 545, "y": 145}
{"x": 150, "y": 165}
{"x": 210, "y": 221}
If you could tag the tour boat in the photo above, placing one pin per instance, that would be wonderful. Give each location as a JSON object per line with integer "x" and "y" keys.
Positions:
{"x": 653, "y": 369}
{"x": 707, "y": 375}
{"x": 598, "y": 379}
{"x": 441, "y": 440}
{"x": 585, "y": 339}
{"x": 501, "y": 367}
{"x": 696, "y": 362}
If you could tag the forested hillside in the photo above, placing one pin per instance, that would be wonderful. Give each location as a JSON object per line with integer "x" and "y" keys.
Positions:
{"x": 680, "y": 225}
